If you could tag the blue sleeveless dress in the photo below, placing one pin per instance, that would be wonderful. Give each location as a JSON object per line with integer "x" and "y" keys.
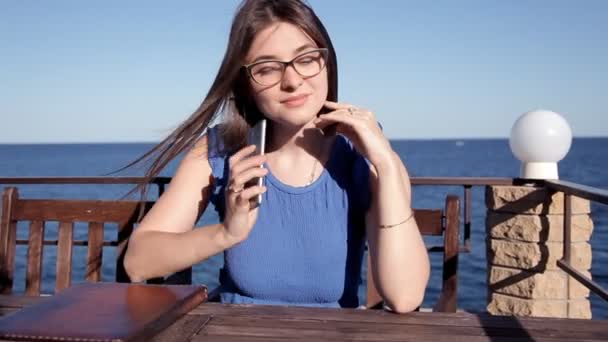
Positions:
{"x": 307, "y": 245}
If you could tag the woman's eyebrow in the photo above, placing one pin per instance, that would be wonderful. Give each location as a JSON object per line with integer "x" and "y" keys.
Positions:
{"x": 296, "y": 51}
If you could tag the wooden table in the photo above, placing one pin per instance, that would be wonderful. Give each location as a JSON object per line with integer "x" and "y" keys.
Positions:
{"x": 220, "y": 322}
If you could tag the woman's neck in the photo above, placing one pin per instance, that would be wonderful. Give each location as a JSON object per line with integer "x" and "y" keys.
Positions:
{"x": 294, "y": 142}
{"x": 297, "y": 158}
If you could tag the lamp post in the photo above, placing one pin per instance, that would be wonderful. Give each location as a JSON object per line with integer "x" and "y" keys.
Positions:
{"x": 540, "y": 139}
{"x": 530, "y": 228}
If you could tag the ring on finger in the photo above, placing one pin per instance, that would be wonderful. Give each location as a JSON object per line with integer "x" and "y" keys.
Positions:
{"x": 235, "y": 191}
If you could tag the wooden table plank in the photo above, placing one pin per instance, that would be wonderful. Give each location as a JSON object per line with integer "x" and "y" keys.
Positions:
{"x": 232, "y": 333}
{"x": 263, "y": 326}
{"x": 420, "y": 318}
{"x": 224, "y": 338}
{"x": 11, "y": 303}
{"x": 183, "y": 329}
{"x": 221, "y": 322}
{"x": 295, "y": 335}
{"x": 18, "y": 301}
{"x": 443, "y": 338}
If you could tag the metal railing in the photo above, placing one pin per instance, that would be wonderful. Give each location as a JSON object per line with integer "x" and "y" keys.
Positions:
{"x": 467, "y": 183}
{"x": 161, "y": 182}
{"x": 593, "y": 194}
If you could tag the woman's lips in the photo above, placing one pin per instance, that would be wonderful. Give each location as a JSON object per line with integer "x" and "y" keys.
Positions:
{"x": 295, "y": 101}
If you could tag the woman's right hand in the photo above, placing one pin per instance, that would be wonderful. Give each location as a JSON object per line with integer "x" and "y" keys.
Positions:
{"x": 240, "y": 215}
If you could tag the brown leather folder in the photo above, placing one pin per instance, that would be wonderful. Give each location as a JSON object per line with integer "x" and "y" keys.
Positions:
{"x": 96, "y": 312}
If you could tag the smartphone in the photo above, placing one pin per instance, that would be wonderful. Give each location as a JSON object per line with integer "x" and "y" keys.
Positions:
{"x": 257, "y": 137}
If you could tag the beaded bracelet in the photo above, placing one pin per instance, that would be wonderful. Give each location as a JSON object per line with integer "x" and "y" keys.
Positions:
{"x": 385, "y": 226}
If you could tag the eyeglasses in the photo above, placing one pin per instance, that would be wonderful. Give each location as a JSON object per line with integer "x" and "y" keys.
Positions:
{"x": 269, "y": 73}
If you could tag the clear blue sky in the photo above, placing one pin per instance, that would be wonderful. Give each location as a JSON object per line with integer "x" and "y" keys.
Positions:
{"x": 116, "y": 71}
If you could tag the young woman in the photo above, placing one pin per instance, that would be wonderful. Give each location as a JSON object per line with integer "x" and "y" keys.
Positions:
{"x": 331, "y": 180}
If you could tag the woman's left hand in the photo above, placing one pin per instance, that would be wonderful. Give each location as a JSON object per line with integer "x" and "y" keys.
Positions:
{"x": 361, "y": 128}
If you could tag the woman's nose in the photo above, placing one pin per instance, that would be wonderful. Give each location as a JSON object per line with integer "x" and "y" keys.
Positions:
{"x": 291, "y": 78}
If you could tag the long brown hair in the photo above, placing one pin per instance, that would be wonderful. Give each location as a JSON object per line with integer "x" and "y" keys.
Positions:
{"x": 229, "y": 94}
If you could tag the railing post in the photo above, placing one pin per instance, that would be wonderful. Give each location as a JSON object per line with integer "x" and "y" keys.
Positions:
{"x": 528, "y": 230}
{"x": 567, "y": 226}
{"x": 467, "y": 218}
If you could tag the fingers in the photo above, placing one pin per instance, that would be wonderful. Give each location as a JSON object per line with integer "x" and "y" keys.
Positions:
{"x": 251, "y": 192}
{"x": 239, "y": 180}
{"x": 247, "y": 163}
{"x": 243, "y": 198}
{"x": 336, "y": 105}
{"x": 345, "y": 114}
{"x": 244, "y": 152}
{"x": 350, "y": 110}
{"x": 243, "y": 168}
{"x": 338, "y": 116}
{"x": 241, "y": 201}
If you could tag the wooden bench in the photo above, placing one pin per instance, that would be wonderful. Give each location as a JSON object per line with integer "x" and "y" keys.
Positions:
{"x": 98, "y": 213}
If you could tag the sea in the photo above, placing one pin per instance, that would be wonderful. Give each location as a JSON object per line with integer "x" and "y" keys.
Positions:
{"x": 586, "y": 163}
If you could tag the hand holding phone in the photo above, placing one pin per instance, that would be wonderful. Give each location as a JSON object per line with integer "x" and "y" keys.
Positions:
{"x": 257, "y": 137}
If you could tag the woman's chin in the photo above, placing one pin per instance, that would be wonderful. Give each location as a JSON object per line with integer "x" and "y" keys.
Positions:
{"x": 295, "y": 118}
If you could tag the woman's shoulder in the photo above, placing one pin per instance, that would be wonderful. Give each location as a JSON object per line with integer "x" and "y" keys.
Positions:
{"x": 208, "y": 145}
{"x": 350, "y": 165}
{"x": 214, "y": 141}
{"x": 344, "y": 150}
{"x": 216, "y": 151}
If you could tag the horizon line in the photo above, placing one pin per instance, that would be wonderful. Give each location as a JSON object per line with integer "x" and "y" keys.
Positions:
{"x": 158, "y": 141}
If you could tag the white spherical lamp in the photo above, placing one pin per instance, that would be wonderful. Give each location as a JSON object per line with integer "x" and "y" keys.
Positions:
{"x": 540, "y": 139}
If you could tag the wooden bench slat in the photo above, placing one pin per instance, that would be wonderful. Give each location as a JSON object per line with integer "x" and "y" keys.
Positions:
{"x": 123, "y": 234}
{"x": 429, "y": 221}
{"x": 75, "y": 211}
{"x": 8, "y": 235}
{"x": 64, "y": 255}
{"x": 34, "y": 259}
{"x": 7, "y": 272}
{"x": 449, "y": 288}
{"x": 95, "y": 251}
{"x": 74, "y": 243}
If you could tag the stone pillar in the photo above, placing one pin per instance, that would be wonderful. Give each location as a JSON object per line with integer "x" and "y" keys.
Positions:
{"x": 524, "y": 228}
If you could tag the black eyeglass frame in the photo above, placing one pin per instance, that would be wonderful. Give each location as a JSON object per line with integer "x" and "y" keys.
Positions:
{"x": 324, "y": 54}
